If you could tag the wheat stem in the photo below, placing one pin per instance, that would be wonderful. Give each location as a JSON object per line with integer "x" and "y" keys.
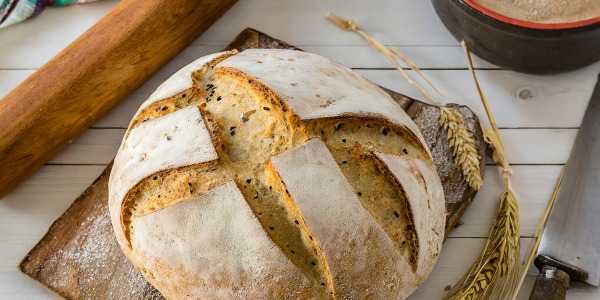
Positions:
{"x": 416, "y": 69}
{"x": 484, "y": 101}
{"x": 350, "y": 25}
{"x": 538, "y": 233}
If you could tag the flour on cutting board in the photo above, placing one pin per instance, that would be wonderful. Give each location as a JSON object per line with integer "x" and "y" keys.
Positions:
{"x": 94, "y": 261}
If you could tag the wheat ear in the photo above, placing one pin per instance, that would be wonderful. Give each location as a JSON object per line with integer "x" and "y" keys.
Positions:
{"x": 494, "y": 275}
{"x": 460, "y": 138}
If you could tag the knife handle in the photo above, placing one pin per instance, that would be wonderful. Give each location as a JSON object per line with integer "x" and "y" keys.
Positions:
{"x": 551, "y": 284}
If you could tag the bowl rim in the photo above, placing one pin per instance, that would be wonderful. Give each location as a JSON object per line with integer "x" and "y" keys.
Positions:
{"x": 497, "y": 16}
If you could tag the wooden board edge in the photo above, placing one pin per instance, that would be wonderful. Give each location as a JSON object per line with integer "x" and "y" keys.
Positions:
{"x": 32, "y": 264}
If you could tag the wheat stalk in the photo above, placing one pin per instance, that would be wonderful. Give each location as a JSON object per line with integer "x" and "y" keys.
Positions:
{"x": 494, "y": 275}
{"x": 460, "y": 138}
{"x": 495, "y": 272}
{"x": 538, "y": 233}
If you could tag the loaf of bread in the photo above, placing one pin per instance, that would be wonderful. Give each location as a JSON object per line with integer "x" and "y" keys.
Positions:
{"x": 276, "y": 174}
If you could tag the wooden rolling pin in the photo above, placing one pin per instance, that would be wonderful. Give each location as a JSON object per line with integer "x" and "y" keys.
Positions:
{"x": 91, "y": 76}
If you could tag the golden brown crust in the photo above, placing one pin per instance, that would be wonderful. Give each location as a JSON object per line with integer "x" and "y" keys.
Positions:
{"x": 249, "y": 122}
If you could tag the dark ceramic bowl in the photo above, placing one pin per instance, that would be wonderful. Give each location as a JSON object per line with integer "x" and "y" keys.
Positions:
{"x": 519, "y": 45}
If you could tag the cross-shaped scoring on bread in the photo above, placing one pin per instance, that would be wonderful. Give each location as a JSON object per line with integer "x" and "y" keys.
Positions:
{"x": 276, "y": 173}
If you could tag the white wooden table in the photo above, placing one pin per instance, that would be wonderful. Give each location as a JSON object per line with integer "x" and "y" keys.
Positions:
{"x": 538, "y": 129}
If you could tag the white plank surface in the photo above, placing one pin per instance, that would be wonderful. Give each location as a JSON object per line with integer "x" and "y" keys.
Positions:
{"x": 539, "y": 115}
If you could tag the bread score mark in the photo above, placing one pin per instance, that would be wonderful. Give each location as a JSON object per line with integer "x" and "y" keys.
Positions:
{"x": 317, "y": 88}
{"x": 152, "y": 147}
{"x": 320, "y": 263}
{"x": 180, "y": 90}
{"x": 352, "y": 142}
{"x": 346, "y": 233}
{"x": 418, "y": 186}
{"x": 409, "y": 230}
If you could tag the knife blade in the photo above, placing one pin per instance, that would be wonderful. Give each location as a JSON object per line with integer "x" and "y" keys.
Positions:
{"x": 570, "y": 245}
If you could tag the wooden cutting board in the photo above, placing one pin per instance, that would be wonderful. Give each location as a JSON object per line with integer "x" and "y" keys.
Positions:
{"x": 79, "y": 258}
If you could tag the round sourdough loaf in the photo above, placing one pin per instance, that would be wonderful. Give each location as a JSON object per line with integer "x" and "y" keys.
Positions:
{"x": 276, "y": 174}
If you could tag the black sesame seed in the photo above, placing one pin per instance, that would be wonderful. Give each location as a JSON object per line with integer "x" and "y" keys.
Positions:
{"x": 323, "y": 283}
{"x": 260, "y": 213}
{"x": 322, "y": 131}
{"x": 292, "y": 251}
{"x": 270, "y": 187}
{"x": 384, "y": 131}
{"x": 158, "y": 196}
{"x": 403, "y": 242}
{"x": 219, "y": 98}
{"x": 343, "y": 140}
{"x": 255, "y": 196}
{"x": 314, "y": 263}
{"x": 164, "y": 108}
{"x": 296, "y": 221}
{"x": 248, "y": 180}
{"x": 271, "y": 227}
{"x": 409, "y": 227}
{"x": 405, "y": 151}
{"x": 344, "y": 162}
{"x": 183, "y": 96}
{"x": 396, "y": 214}
{"x": 311, "y": 238}
{"x": 359, "y": 193}
{"x": 189, "y": 183}
{"x": 232, "y": 132}
{"x": 155, "y": 177}
{"x": 232, "y": 128}
{"x": 266, "y": 108}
